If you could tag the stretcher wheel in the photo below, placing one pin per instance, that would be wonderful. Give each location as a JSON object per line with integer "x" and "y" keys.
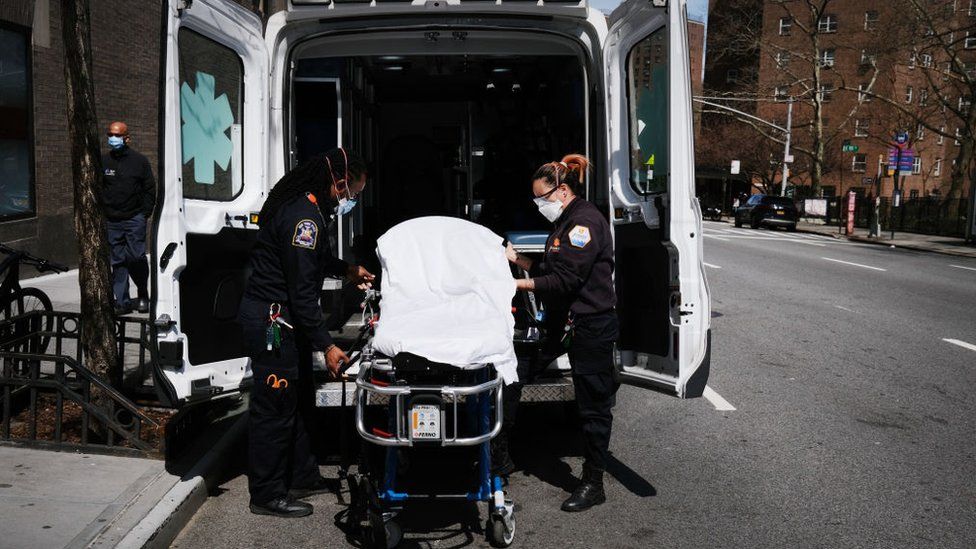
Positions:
{"x": 499, "y": 535}
{"x": 380, "y": 533}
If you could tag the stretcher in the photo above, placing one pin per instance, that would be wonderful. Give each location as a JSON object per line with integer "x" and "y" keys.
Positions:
{"x": 411, "y": 409}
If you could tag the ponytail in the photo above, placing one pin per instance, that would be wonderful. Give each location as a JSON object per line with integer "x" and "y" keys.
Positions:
{"x": 570, "y": 171}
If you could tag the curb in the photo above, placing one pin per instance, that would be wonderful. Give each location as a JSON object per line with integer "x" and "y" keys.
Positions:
{"x": 164, "y": 522}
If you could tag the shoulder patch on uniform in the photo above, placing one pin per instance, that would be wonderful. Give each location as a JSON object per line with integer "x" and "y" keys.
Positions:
{"x": 306, "y": 234}
{"x": 579, "y": 236}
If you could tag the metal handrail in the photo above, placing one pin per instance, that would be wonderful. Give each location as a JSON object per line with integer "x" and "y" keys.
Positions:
{"x": 399, "y": 392}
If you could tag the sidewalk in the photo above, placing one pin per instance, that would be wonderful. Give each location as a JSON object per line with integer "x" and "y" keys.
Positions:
{"x": 54, "y": 499}
{"x": 911, "y": 241}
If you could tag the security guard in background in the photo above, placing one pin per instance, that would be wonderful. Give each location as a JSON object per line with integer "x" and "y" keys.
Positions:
{"x": 283, "y": 325}
{"x": 128, "y": 196}
{"x": 575, "y": 281}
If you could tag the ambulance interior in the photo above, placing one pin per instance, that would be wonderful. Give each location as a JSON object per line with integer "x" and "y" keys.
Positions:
{"x": 447, "y": 135}
{"x": 461, "y": 135}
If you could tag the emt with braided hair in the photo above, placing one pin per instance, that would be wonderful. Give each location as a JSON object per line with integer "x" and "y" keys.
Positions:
{"x": 575, "y": 282}
{"x": 283, "y": 325}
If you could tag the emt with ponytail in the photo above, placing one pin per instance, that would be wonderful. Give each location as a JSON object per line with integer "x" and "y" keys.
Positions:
{"x": 574, "y": 279}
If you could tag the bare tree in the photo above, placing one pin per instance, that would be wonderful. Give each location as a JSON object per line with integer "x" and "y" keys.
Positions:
{"x": 728, "y": 139}
{"x": 936, "y": 94}
{"x": 98, "y": 336}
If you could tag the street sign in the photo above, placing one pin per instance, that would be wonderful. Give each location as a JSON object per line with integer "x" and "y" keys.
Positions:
{"x": 896, "y": 198}
{"x": 846, "y": 146}
{"x": 735, "y": 167}
{"x": 901, "y": 138}
{"x": 867, "y": 180}
{"x": 789, "y": 159}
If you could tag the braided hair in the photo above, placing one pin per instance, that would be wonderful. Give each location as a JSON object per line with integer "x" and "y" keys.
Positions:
{"x": 570, "y": 171}
{"x": 312, "y": 176}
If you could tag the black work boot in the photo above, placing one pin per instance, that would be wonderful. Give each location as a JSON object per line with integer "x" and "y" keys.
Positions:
{"x": 282, "y": 507}
{"x": 501, "y": 461}
{"x": 588, "y": 493}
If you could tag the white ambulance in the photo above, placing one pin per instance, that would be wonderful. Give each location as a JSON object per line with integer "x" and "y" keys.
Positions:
{"x": 453, "y": 102}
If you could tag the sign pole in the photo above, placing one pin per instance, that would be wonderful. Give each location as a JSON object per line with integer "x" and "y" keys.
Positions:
{"x": 786, "y": 150}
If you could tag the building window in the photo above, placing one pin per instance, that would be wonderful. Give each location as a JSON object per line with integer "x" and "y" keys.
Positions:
{"x": 782, "y": 93}
{"x": 211, "y": 104}
{"x": 964, "y": 104}
{"x": 783, "y": 59}
{"x": 941, "y": 138}
{"x": 912, "y": 60}
{"x": 925, "y": 60}
{"x": 972, "y": 8}
{"x": 937, "y": 168}
{"x": 909, "y": 94}
{"x": 970, "y": 68}
{"x": 827, "y": 23}
{"x": 731, "y": 76}
{"x": 958, "y": 137}
{"x": 785, "y": 26}
{"x": 870, "y": 20}
{"x": 868, "y": 57}
{"x": 920, "y": 132}
{"x": 970, "y": 42}
{"x": 827, "y": 92}
{"x": 913, "y": 194}
{"x": 16, "y": 147}
{"x": 861, "y": 128}
{"x": 863, "y": 94}
{"x": 859, "y": 163}
{"x": 917, "y": 165}
{"x": 923, "y": 98}
{"x": 827, "y": 57}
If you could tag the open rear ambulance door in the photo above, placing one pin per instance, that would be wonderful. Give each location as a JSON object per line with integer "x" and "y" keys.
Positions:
{"x": 662, "y": 296}
{"x": 213, "y": 155}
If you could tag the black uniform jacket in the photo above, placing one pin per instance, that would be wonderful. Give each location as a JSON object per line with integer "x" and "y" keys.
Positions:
{"x": 289, "y": 263}
{"x": 128, "y": 187}
{"x": 577, "y": 269}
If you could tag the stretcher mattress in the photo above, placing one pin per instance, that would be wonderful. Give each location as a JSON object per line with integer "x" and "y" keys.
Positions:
{"x": 446, "y": 295}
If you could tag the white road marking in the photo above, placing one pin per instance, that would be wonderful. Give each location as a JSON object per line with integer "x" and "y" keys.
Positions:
{"x": 961, "y": 267}
{"x": 717, "y": 401}
{"x": 844, "y": 308}
{"x": 779, "y": 239}
{"x": 962, "y": 344}
{"x": 717, "y": 237}
{"x": 854, "y": 264}
{"x": 712, "y": 266}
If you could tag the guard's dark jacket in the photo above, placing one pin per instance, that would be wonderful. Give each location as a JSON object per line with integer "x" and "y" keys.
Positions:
{"x": 128, "y": 187}
{"x": 577, "y": 268}
{"x": 289, "y": 263}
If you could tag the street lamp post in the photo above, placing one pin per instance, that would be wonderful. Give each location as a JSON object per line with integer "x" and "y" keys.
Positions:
{"x": 788, "y": 130}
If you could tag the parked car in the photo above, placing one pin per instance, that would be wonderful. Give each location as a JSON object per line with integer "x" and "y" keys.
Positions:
{"x": 772, "y": 211}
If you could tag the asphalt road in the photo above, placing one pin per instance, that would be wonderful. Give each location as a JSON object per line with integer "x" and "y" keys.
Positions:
{"x": 851, "y": 370}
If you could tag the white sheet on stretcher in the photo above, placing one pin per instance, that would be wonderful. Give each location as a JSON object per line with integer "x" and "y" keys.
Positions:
{"x": 446, "y": 295}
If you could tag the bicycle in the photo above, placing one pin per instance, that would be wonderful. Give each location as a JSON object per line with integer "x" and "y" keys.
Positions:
{"x": 16, "y": 300}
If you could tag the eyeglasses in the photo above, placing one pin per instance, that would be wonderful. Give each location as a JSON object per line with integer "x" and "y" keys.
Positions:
{"x": 110, "y": 134}
{"x": 552, "y": 190}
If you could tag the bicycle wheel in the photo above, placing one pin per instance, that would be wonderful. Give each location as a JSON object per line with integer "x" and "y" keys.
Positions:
{"x": 21, "y": 302}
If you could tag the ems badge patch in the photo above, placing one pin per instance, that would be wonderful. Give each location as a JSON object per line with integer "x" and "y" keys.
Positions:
{"x": 579, "y": 236}
{"x": 306, "y": 234}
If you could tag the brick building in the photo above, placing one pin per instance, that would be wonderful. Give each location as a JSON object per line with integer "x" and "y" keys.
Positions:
{"x": 871, "y": 45}
{"x": 36, "y": 198}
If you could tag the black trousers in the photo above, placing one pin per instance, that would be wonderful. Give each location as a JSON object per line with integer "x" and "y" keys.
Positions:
{"x": 282, "y": 408}
{"x": 594, "y": 379}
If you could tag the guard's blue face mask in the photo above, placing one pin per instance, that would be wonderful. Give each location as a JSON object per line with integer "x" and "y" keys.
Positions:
{"x": 116, "y": 142}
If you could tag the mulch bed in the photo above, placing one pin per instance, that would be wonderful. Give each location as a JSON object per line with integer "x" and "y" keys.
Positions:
{"x": 71, "y": 428}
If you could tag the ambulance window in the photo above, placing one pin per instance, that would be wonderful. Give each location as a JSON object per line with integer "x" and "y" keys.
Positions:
{"x": 211, "y": 96}
{"x": 647, "y": 76}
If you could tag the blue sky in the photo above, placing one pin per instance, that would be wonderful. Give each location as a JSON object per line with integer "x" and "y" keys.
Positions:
{"x": 697, "y": 9}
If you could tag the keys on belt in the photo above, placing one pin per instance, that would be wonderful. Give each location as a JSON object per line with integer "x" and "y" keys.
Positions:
{"x": 275, "y": 322}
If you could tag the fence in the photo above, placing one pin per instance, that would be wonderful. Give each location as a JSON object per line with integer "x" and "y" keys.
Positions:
{"x": 914, "y": 215}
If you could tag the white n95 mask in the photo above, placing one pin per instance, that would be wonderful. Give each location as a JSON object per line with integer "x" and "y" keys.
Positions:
{"x": 549, "y": 210}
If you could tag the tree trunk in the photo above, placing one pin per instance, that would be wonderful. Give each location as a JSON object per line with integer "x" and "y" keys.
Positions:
{"x": 963, "y": 160}
{"x": 98, "y": 336}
